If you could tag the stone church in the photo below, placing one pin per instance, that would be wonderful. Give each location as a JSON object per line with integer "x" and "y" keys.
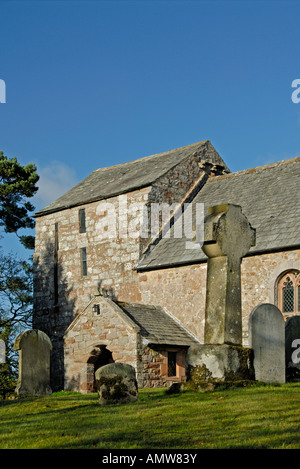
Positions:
{"x": 116, "y": 280}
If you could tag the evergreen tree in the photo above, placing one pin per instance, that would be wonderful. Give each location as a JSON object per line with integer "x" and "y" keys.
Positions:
{"x": 16, "y": 295}
{"x": 17, "y": 183}
{"x": 8, "y": 370}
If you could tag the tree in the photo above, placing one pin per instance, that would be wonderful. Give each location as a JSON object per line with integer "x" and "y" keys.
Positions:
{"x": 16, "y": 299}
{"x": 17, "y": 183}
{"x": 16, "y": 295}
{"x": 8, "y": 370}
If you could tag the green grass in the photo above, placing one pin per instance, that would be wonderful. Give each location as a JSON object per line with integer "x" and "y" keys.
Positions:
{"x": 253, "y": 417}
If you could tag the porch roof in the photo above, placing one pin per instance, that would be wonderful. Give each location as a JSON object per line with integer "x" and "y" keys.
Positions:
{"x": 158, "y": 326}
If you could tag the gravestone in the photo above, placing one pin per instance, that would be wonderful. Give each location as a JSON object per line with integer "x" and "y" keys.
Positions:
{"x": 2, "y": 351}
{"x": 228, "y": 236}
{"x": 116, "y": 384}
{"x": 34, "y": 363}
{"x": 292, "y": 348}
{"x": 267, "y": 339}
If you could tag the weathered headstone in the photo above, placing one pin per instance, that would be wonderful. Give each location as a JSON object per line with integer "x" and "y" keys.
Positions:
{"x": 228, "y": 236}
{"x": 2, "y": 351}
{"x": 292, "y": 348}
{"x": 267, "y": 339}
{"x": 34, "y": 363}
{"x": 116, "y": 383}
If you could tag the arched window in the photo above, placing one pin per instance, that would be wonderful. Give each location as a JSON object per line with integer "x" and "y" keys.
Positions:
{"x": 289, "y": 292}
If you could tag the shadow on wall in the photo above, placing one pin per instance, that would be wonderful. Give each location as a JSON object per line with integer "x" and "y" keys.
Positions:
{"x": 54, "y": 309}
{"x": 84, "y": 380}
{"x": 97, "y": 357}
{"x": 54, "y": 305}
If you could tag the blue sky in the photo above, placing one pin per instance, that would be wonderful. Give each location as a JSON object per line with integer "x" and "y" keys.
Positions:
{"x": 91, "y": 84}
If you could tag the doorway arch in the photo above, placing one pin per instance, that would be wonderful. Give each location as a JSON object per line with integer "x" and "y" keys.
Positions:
{"x": 99, "y": 356}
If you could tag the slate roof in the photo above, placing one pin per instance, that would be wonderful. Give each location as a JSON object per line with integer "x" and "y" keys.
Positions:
{"x": 157, "y": 326}
{"x": 269, "y": 196}
{"x": 114, "y": 180}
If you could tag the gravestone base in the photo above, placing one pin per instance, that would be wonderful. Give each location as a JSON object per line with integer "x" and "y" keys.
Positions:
{"x": 26, "y": 391}
{"x": 292, "y": 373}
{"x": 211, "y": 365}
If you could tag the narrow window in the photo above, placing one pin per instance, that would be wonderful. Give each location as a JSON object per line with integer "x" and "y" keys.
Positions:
{"x": 288, "y": 296}
{"x": 171, "y": 363}
{"x": 83, "y": 262}
{"x": 82, "y": 228}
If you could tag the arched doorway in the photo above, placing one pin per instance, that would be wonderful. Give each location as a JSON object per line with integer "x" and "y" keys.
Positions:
{"x": 100, "y": 356}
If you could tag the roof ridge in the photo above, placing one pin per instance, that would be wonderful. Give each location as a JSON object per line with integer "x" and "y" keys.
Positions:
{"x": 254, "y": 169}
{"x": 125, "y": 177}
{"x": 151, "y": 156}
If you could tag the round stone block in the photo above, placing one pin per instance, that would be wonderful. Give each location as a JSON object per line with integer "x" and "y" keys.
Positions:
{"x": 116, "y": 384}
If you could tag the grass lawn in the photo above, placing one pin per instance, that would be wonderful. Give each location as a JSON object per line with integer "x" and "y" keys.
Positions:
{"x": 254, "y": 417}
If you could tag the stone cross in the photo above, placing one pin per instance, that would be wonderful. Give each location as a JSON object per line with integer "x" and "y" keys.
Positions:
{"x": 228, "y": 236}
{"x": 34, "y": 363}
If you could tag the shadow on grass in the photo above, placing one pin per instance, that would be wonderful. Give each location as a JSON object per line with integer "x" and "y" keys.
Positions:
{"x": 265, "y": 417}
{"x": 143, "y": 439}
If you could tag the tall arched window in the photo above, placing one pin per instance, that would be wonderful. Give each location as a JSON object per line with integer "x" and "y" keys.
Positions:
{"x": 289, "y": 292}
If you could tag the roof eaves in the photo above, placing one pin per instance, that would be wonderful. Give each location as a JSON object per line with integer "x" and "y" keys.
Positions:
{"x": 44, "y": 211}
{"x": 140, "y": 267}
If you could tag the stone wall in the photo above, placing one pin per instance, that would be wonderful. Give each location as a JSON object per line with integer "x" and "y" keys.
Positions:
{"x": 259, "y": 279}
{"x": 155, "y": 367}
{"x": 182, "y": 290}
{"x": 121, "y": 337}
{"x": 60, "y": 289}
{"x": 90, "y": 330}
{"x": 61, "y": 292}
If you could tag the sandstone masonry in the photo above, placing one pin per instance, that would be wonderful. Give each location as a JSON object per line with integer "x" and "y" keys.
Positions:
{"x": 74, "y": 264}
